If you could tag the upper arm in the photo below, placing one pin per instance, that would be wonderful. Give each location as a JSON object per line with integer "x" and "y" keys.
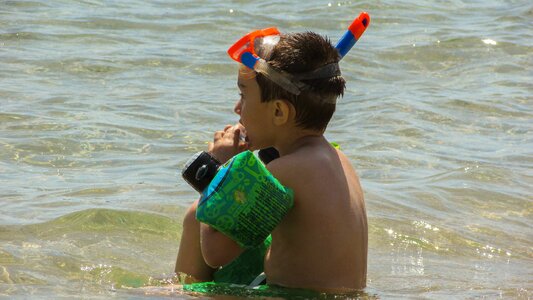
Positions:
{"x": 217, "y": 249}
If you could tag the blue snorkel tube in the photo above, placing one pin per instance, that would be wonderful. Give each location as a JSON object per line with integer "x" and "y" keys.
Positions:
{"x": 353, "y": 34}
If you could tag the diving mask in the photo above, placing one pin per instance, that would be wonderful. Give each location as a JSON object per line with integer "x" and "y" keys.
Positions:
{"x": 245, "y": 51}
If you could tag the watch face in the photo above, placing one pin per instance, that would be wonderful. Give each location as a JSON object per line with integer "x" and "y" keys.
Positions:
{"x": 202, "y": 171}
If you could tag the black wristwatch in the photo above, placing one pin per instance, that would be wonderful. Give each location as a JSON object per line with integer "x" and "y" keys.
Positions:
{"x": 200, "y": 169}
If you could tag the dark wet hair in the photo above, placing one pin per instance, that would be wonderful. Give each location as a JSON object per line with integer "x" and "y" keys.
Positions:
{"x": 300, "y": 53}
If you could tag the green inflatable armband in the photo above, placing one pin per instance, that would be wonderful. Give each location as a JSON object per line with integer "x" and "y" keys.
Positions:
{"x": 246, "y": 267}
{"x": 244, "y": 201}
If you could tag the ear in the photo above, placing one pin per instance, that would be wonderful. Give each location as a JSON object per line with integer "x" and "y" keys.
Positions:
{"x": 281, "y": 112}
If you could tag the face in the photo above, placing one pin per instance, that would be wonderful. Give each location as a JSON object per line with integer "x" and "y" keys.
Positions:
{"x": 254, "y": 115}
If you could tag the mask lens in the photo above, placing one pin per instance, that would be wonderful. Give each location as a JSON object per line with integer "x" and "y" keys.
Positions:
{"x": 252, "y": 41}
{"x": 264, "y": 45}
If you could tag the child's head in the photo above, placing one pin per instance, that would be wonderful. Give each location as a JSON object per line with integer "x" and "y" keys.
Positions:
{"x": 299, "y": 53}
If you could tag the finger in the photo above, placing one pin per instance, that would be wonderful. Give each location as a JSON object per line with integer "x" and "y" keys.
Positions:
{"x": 242, "y": 129}
{"x": 236, "y": 136}
{"x": 219, "y": 135}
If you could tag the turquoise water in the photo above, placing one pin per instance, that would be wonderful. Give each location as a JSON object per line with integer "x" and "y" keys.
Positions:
{"x": 101, "y": 103}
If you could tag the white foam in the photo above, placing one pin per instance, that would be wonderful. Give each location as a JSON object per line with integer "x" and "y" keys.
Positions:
{"x": 489, "y": 42}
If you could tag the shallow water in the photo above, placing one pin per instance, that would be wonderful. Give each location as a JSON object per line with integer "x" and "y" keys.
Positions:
{"x": 101, "y": 102}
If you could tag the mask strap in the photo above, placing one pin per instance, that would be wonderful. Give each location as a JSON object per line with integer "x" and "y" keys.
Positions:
{"x": 283, "y": 79}
{"x": 327, "y": 71}
{"x": 293, "y": 82}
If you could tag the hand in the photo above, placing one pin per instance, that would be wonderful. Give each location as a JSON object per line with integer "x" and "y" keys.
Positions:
{"x": 227, "y": 143}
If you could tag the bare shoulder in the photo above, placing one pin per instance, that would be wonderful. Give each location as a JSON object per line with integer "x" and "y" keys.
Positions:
{"x": 286, "y": 168}
{"x": 311, "y": 164}
{"x": 347, "y": 164}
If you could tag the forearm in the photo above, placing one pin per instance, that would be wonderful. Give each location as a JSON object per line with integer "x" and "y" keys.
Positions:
{"x": 217, "y": 249}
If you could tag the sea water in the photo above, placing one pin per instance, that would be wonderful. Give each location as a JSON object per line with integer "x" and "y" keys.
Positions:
{"x": 102, "y": 102}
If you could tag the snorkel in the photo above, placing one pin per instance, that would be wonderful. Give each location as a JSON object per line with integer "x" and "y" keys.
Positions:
{"x": 353, "y": 34}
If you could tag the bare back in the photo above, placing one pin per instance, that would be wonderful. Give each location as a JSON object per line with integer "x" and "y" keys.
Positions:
{"x": 322, "y": 243}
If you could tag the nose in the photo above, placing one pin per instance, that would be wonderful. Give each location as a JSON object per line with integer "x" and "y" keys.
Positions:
{"x": 237, "y": 108}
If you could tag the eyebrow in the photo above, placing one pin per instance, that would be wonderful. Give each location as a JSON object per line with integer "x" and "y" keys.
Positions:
{"x": 241, "y": 85}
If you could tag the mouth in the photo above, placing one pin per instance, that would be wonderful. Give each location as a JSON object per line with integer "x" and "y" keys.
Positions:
{"x": 243, "y": 136}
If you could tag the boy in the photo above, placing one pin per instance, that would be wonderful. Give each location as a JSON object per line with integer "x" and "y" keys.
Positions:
{"x": 321, "y": 244}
